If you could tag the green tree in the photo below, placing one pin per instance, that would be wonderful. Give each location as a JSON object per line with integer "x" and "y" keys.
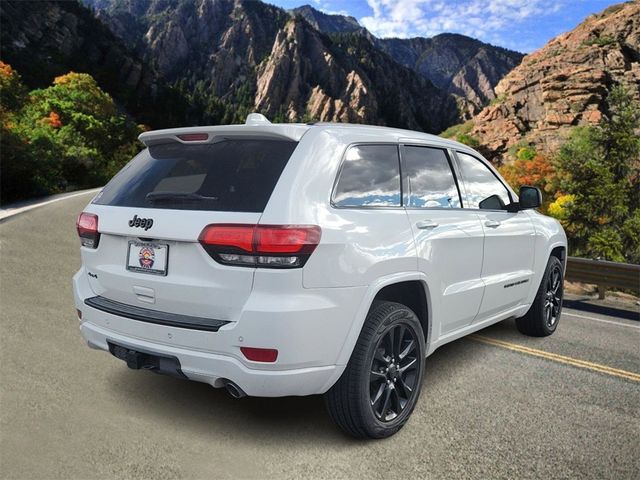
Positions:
{"x": 83, "y": 120}
{"x": 600, "y": 167}
{"x": 69, "y": 135}
{"x": 27, "y": 168}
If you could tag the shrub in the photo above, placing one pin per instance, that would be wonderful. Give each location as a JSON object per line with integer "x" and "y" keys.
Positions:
{"x": 559, "y": 208}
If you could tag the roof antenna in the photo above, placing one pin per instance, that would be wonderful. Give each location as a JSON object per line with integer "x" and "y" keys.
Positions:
{"x": 256, "y": 119}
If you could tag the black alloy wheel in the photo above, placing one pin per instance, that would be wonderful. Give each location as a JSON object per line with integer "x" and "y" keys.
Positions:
{"x": 544, "y": 314}
{"x": 393, "y": 372}
{"x": 381, "y": 384}
{"x": 553, "y": 296}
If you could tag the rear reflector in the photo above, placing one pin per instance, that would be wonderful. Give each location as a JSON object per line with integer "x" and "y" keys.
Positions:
{"x": 260, "y": 354}
{"x": 87, "y": 226}
{"x": 270, "y": 246}
{"x": 194, "y": 137}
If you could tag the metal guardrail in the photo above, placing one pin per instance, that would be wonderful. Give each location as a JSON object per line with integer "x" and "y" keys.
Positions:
{"x": 604, "y": 274}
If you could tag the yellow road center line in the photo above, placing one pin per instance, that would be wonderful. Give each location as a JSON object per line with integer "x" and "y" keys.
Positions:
{"x": 596, "y": 367}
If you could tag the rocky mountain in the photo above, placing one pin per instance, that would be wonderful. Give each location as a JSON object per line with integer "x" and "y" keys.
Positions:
{"x": 459, "y": 65}
{"x": 42, "y": 40}
{"x": 563, "y": 85}
{"x": 328, "y": 23}
{"x": 347, "y": 80}
{"x": 462, "y": 66}
{"x": 259, "y": 57}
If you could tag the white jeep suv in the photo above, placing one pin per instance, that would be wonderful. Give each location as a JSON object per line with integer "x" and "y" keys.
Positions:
{"x": 295, "y": 259}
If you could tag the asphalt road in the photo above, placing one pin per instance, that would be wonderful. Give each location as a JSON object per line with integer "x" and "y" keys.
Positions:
{"x": 486, "y": 410}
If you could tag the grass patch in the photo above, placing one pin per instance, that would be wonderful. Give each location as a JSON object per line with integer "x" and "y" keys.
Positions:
{"x": 461, "y": 133}
{"x": 612, "y": 9}
{"x": 499, "y": 99}
{"x": 576, "y": 107}
{"x": 600, "y": 41}
{"x": 460, "y": 129}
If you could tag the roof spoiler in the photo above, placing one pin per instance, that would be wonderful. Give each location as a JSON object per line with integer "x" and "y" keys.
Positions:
{"x": 255, "y": 126}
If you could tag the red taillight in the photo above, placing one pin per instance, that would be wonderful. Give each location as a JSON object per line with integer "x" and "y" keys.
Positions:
{"x": 87, "y": 226}
{"x": 260, "y": 354}
{"x": 194, "y": 137}
{"x": 287, "y": 239}
{"x": 271, "y": 246}
{"x": 238, "y": 236}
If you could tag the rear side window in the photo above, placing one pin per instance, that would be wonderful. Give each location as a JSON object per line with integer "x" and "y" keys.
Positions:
{"x": 369, "y": 177}
{"x": 481, "y": 183}
{"x": 429, "y": 178}
{"x": 231, "y": 176}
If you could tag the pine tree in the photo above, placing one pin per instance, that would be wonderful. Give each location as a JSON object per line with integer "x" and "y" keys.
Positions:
{"x": 600, "y": 167}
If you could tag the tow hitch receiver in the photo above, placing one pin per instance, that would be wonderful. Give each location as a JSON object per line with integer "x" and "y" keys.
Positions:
{"x": 137, "y": 360}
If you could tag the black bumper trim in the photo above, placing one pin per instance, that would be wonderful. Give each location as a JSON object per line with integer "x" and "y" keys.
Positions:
{"x": 153, "y": 316}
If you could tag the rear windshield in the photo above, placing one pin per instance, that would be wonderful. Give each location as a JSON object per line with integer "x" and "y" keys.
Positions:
{"x": 231, "y": 176}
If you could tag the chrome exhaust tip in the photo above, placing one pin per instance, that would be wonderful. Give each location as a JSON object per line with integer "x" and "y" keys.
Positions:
{"x": 234, "y": 390}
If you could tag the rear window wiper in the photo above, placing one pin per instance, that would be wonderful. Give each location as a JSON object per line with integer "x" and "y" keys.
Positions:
{"x": 179, "y": 196}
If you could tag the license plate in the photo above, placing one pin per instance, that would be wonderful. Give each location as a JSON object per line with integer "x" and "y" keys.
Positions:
{"x": 146, "y": 257}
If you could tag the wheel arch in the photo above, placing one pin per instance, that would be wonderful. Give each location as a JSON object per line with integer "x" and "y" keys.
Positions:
{"x": 560, "y": 252}
{"x": 391, "y": 288}
{"x": 412, "y": 294}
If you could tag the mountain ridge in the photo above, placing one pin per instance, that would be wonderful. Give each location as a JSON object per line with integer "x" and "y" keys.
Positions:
{"x": 460, "y": 65}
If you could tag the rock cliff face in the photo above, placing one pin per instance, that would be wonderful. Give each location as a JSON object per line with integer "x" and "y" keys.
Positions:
{"x": 564, "y": 84}
{"x": 303, "y": 78}
{"x": 309, "y": 75}
{"x": 459, "y": 65}
{"x": 219, "y": 42}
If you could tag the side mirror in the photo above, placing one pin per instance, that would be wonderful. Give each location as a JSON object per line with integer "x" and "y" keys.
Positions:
{"x": 530, "y": 197}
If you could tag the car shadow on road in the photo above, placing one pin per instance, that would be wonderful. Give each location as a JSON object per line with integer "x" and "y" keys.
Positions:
{"x": 209, "y": 411}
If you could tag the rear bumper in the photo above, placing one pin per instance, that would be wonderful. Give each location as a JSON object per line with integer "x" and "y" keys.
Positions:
{"x": 215, "y": 369}
{"x": 308, "y": 328}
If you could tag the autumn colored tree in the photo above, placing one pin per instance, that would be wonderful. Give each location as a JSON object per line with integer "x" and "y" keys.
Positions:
{"x": 12, "y": 91}
{"x": 531, "y": 168}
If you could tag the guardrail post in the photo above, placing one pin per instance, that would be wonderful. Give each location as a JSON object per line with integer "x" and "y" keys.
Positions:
{"x": 601, "y": 291}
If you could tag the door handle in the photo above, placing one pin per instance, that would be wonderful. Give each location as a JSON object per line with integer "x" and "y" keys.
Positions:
{"x": 424, "y": 224}
{"x": 492, "y": 223}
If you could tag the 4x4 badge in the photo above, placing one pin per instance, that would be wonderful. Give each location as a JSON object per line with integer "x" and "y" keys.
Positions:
{"x": 145, "y": 223}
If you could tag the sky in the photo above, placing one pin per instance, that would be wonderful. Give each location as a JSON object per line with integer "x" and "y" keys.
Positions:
{"x": 522, "y": 25}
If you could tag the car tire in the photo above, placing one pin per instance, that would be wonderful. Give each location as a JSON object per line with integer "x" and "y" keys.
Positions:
{"x": 381, "y": 384}
{"x": 544, "y": 315}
